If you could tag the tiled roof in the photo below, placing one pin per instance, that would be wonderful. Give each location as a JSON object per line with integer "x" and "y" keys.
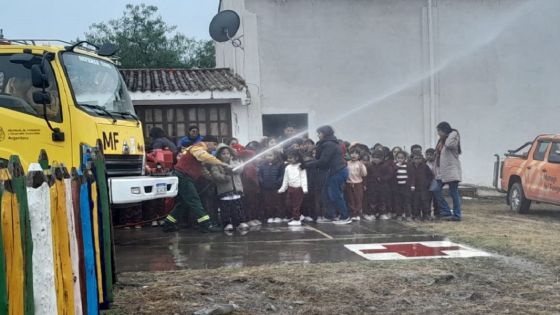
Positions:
{"x": 182, "y": 80}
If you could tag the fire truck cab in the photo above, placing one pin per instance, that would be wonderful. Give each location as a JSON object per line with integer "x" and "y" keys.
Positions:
{"x": 63, "y": 98}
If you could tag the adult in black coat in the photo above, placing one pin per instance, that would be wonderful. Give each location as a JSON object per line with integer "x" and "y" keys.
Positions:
{"x": 330, "y": 162}
{"x": 158, "y": 140}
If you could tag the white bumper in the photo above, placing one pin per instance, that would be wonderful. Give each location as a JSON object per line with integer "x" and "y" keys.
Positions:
{"x": 141, "y": 188}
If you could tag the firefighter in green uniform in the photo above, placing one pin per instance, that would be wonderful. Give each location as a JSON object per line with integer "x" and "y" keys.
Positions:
{"x": 188, "y": 169}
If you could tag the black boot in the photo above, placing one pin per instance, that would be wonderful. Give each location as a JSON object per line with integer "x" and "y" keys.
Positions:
{"x": 206, "y": 227}
{"x": 170, "y": 227}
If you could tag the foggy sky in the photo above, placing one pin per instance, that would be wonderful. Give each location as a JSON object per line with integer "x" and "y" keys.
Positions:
{"x": 70, "y": 19}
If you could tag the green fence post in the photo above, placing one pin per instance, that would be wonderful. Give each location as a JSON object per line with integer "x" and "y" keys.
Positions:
{"x": 104, "y": 207}
{"x": 18, "y": 180}
{"x": 3, "y": 277}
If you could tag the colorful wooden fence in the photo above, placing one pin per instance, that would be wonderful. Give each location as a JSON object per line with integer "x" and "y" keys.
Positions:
{"x": 55, "y": 239}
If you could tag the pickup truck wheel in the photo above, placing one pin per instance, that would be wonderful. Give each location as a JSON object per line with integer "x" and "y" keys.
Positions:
{"x": 517, "y": 199}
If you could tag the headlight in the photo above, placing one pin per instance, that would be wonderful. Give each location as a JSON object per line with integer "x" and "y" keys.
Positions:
{"x": 143, "y": 163}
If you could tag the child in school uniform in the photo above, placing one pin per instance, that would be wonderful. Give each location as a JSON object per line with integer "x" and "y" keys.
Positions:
{"x": 295, "y": 183}
{"x": 389, "y": 161}
{"x": 271, "y": 174}
{"x": 251, "y": 189}
{"x": 404, "y": 180}
{"x": 414, "y": 149}
{"x": 421, "y": 195}
{"x": 355, "y": 184}
{"x": 229, "y": 189}
{"x": 431, "y": 162}
{"x": 312, "y": 209}
{"x": 379, "y": 179}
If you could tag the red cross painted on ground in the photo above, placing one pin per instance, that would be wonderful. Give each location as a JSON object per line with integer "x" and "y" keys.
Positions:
{"x": 412, "y": 250}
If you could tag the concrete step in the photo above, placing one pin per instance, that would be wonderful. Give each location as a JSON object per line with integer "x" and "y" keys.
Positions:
{"x": 464, "y": 191}
{"x": 471, "y": 191}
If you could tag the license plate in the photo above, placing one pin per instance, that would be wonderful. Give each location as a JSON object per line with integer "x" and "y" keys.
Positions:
{"x": 161, "y": 188}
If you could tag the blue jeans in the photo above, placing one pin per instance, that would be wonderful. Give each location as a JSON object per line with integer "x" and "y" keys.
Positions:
{"x": 445, "y": 211}
{"x": 333, "y": 194}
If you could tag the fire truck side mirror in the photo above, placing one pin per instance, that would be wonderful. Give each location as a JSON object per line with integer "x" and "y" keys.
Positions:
{"x": 38, "y": 77}
{"x": 107, "y": 50}
{"x": 24, "y": 59}
{"x": 41, "y": 97}
{"x": 21, "y": 58}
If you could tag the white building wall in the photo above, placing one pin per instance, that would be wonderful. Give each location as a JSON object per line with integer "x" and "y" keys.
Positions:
{"x": 245, "y": 62}
{"x": 496, "y": 69}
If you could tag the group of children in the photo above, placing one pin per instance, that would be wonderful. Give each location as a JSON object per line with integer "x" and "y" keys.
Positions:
{"x": 279, "y": 188}
{"x": 394, "y": 184}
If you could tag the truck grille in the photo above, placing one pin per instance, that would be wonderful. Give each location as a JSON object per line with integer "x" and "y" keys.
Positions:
{"x": 123, "y": 165}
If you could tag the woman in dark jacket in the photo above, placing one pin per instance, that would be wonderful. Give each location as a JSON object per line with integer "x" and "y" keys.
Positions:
{"x": 330, "y": 161}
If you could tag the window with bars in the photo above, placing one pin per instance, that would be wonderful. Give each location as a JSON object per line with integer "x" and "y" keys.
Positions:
{"x": 214, "y": 119}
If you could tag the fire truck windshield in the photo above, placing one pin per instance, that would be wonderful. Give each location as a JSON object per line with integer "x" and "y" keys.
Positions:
{"x": 98, "y": 86}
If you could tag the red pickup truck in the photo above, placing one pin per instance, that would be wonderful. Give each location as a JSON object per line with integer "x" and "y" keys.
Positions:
{"x": 530, "y": 173}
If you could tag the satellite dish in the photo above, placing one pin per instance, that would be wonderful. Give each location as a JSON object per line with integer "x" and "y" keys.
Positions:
{"x": 224, "y": 26}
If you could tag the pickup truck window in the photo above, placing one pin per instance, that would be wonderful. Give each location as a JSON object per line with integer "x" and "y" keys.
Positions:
{"x": 541, "y": 150}
{"x": 554, "y": 155}
{"x": 16, "y": 90}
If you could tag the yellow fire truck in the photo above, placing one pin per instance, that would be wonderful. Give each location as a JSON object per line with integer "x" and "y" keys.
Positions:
{"x": 62, "y": 97}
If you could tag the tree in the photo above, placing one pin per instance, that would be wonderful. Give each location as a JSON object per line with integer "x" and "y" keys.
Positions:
{"x": 203, "y": 55}
{"x": 146, "y": 41}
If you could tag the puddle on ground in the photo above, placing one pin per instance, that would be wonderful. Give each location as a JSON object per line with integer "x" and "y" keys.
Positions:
{"x": 151, "y": 249}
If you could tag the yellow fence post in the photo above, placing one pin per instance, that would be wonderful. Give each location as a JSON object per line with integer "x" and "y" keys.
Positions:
{"x": 62, "y": 258}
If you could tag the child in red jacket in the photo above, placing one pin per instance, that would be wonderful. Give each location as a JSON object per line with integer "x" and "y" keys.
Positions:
{"x": 234, "y": 143}
{"x": 251, "y": 189}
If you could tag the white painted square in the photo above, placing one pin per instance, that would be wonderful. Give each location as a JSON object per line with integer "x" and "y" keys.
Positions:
{"x": 415, "y": 250}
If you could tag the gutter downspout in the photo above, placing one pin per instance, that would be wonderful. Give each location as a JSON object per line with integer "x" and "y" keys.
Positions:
{"x": 434, "y": 88}
{"x": 433, "y": 114}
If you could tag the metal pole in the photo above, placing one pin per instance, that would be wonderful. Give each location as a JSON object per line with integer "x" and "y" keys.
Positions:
{"x": 432, "y": 69}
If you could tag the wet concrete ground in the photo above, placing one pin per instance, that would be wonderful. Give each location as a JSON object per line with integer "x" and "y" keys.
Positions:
{"x": 152, "y": 249}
